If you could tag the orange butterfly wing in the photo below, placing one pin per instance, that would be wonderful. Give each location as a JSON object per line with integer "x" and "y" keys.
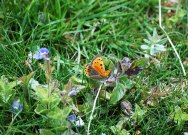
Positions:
{"x": 98, "y": 65}
{"x": 92, "y": 73}
{"x": 86, "y": 69}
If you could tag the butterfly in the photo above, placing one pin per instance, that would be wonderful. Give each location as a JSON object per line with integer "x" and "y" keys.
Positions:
{"x": 96, "y": 70}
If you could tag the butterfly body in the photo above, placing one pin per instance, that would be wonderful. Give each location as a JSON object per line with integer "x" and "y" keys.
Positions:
{"x": 96, "y": 70}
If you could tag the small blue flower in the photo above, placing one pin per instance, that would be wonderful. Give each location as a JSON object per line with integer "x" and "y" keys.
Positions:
{"x": 41, "y": 54}
{"x": 103, "y": 134}
{"x": 44, "y": 51}
{"x": 72, "y": 93}
{"x": 38, "y": 56}
{"x": 71, "y": 118}
{"x": 17, "y": 106}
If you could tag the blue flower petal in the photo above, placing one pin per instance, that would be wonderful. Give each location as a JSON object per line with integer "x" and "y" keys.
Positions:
{"x": 44, "y": 51}
{"x": 41, "y": 54}
{"x": 38, "y": 56}
{"x": 71, "y": 118}
{"x": 17, "y": 106}
{"x": 72, "y": 93}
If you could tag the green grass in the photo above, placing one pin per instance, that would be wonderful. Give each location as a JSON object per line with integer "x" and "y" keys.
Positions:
{"x": 76, "y": 31}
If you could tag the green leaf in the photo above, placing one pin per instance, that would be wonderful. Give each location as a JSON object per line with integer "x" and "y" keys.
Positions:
{"x": 46, "y": 132}
{"x": 120, "y": 124}
{"x": 11, "y": 85}
{"x": 139, "y": 62}
{"x": 66, "y": 111}
{"x": 117, "y": 131}
{"x": 54, "y": 99}
{"x": 43, "y": 97}
{"x": 58, "y": 118}
{"x": 124, "y": 132}
{"x": 58, "y": 113}
{"x": 117, "y": 94}
{"x": 179, "y": 15}
{"x": 33, "y": 83}
{"x": 58, "y": 124}
{"x": 42, "y": 94}
{"x": 55, "y": 113}
{"x": 139, "y": 113}
{"x": 6, "y": 89}
{"x": 128, "y": 84}
{"x": 41, "y": 109}
{"x": 69, "y": 132}
{"x": 179, "y": 115}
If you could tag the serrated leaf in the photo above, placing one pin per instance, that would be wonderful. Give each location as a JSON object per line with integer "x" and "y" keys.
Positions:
{"x": 11, "y": 85}
{"x": 58, "y": 113}
{"x": 7, "y": 95}
{"x": 6, "y": 89}
{"x": 54, "y": 99}
{"x": 117, "y": 94}
{"x": 55, "y": 113}
{"x": 58, "y": 124}
{"x": 42, "y": 94}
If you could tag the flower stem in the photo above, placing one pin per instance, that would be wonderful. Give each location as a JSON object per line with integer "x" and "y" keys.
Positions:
{"x": 48, "y": 76}
{"x": 93, "y": 109}
{"x": 13, "y": 119}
